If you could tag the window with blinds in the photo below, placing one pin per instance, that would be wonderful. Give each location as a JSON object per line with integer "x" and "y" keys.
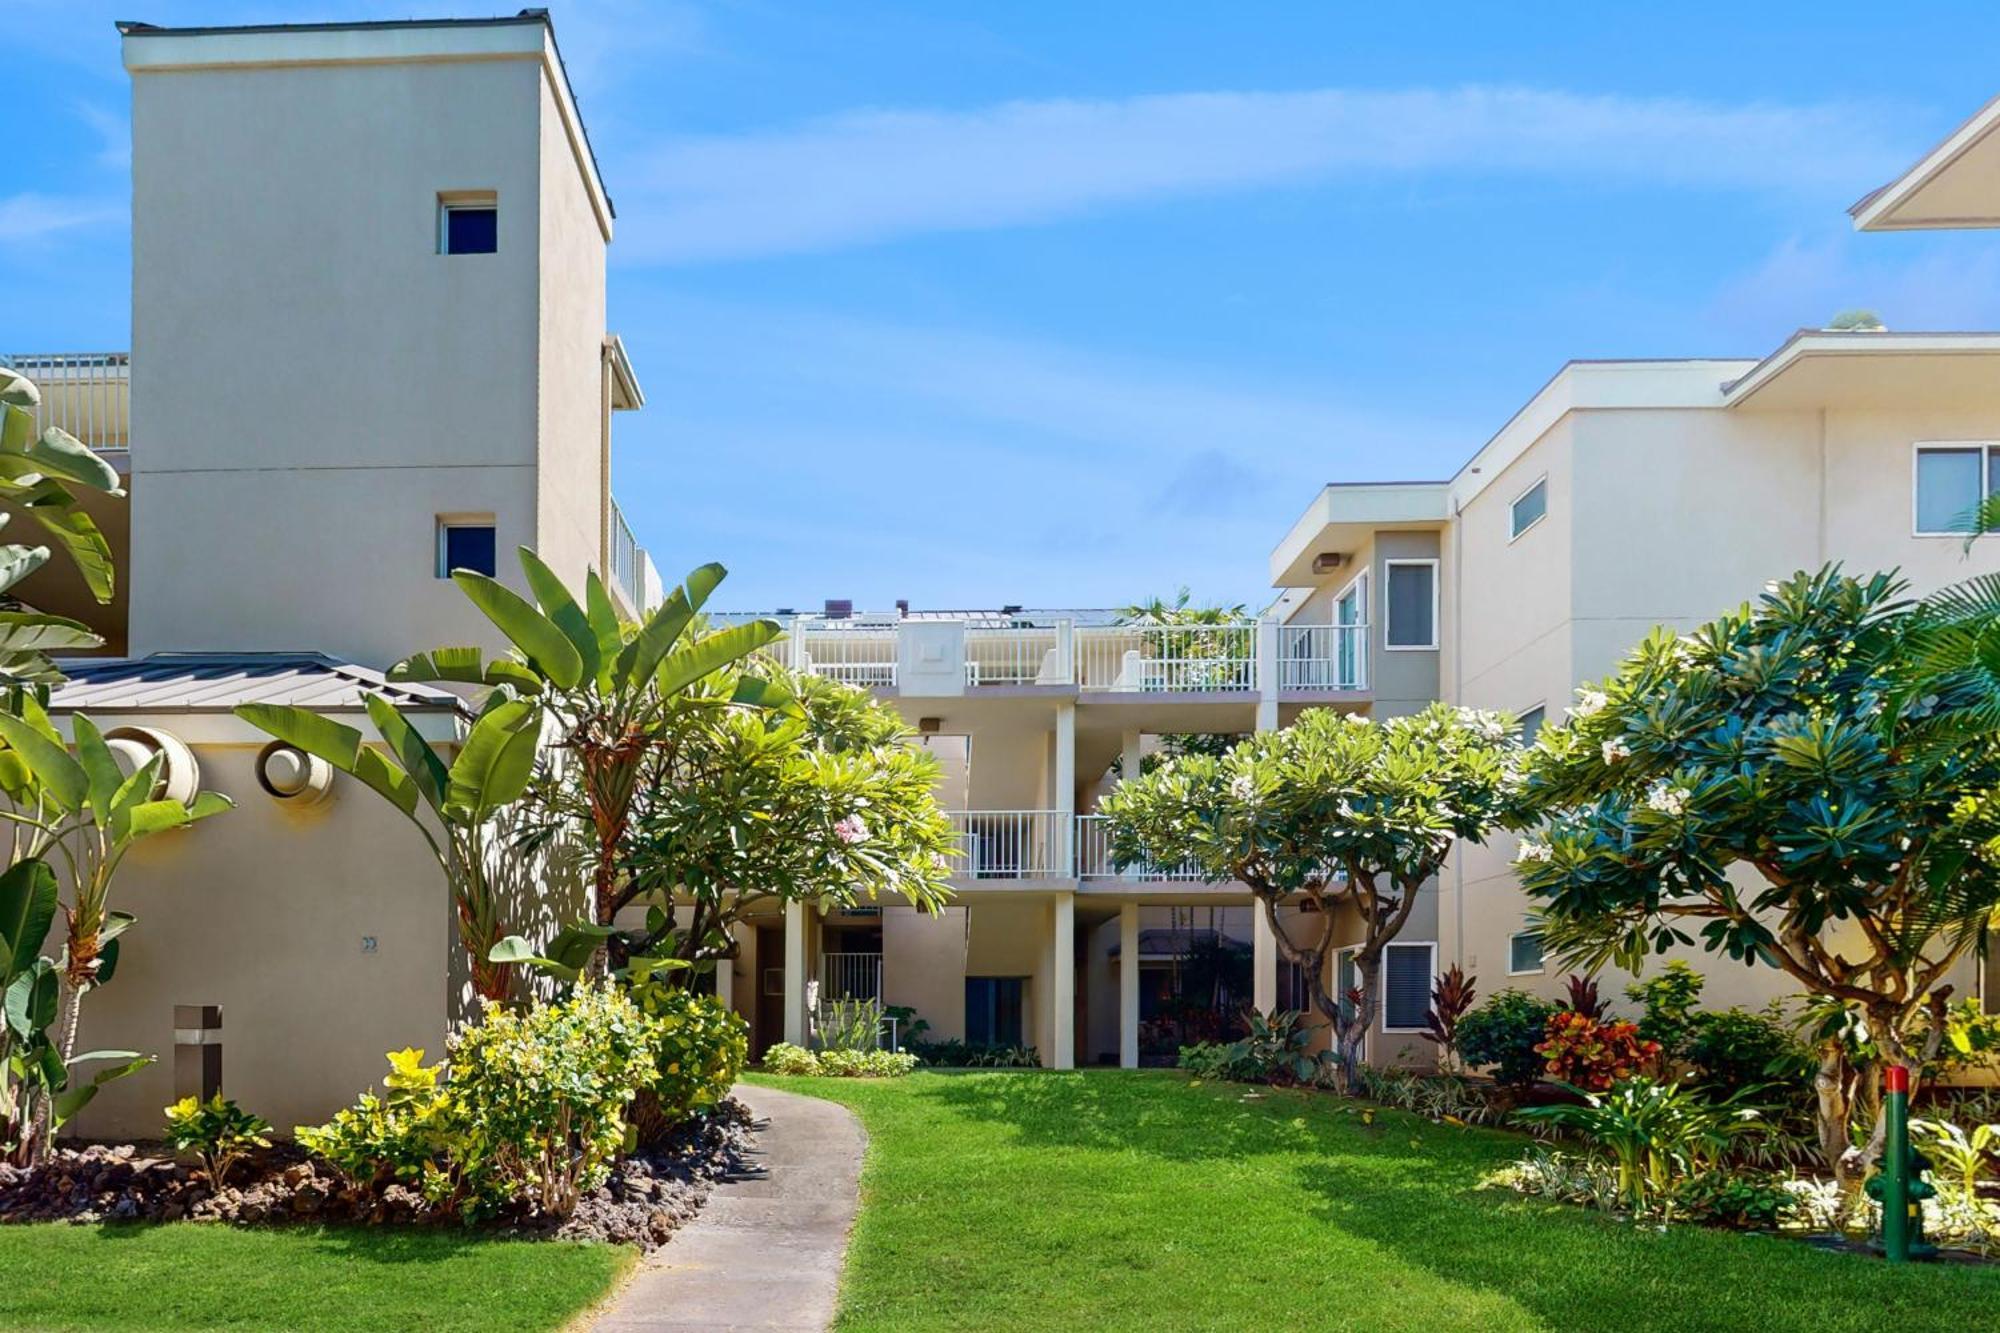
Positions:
{"x": 1406, "y": 985}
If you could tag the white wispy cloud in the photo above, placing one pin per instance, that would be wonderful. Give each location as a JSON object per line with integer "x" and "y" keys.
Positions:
{"x": 1952, "y": 282}
{"x": 871, "y": 176}
{"x": 29, "y": 217}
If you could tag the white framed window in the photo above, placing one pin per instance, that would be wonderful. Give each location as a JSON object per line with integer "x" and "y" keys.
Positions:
{"x": 468, "y": 222}
{"x": 1407, "y": 973}
{"x": 467, "y": 541}
{"x": 1524, "y": 954}
{"x": 1530, "y": 721}
{"x": 1529, "y": 508}
{"x": 1949, "y": 481}
{"x": 1410, "y": 605}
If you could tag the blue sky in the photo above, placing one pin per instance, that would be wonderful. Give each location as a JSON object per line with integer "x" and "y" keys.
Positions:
{"x": 1070, "y": 304}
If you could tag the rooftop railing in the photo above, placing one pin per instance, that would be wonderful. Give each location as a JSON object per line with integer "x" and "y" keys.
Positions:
{"x": 1231, "y": 658}
{"x": 87, "y": 394}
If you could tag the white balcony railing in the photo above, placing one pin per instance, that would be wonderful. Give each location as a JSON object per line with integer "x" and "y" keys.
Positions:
{"x": 1170, "y": 659}
{"x": 850, "y": 976}
{"x": 1013, "y": 844}
{"x": 1323, "y": 657}
{"x": 854, "y": 652}
{"x": 1028, "y": 655}
{"x": 625, "y": 560}
{"x": 1093, "y": 856}
{"x": 87, "y": 394}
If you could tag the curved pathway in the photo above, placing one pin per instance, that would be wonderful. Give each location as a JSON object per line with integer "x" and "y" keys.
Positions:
{"x": 765, "y": 1251}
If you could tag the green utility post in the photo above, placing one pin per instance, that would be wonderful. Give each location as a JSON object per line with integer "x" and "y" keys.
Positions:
{"x": 1899, "y": 1186}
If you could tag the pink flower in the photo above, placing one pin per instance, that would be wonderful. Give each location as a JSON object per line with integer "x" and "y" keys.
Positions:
{"x": 850, "y": 830}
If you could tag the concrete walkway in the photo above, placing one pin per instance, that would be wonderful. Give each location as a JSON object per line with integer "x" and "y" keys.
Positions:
{"x": 765, "y": 1251}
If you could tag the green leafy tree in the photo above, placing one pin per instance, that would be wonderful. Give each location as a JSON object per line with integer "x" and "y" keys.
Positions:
{"x": 825, "y": 800}
{"x": 603, "y": 693}
{"x": 1350, "y": 816}
{"x": 1768, "y": 787}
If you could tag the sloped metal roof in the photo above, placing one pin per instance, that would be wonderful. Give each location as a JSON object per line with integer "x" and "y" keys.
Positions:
{"x": 217, "y": 682}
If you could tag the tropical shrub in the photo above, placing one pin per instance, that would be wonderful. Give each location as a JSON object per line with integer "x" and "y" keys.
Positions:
{"x": 702, "y": 1046}
{"x": 957, "y": 1054}
{"x": 1210, "y": 1059}
{"x": 1592, "y": 1053}
{"x": 1667, "y": 1002}
{"x": 785, "y": 1058}
{"x": 1651, "y": 1132}
{"x": 1274, "y": 1049}
{"x": 1580, "y": 996}
{"x": 1741, "y": 1200}
{"x": 1964, "y": 1154}
{"x": 1730, "y": 1049}
{"x": 1503, "y": 1033}
{"x": 393, "y": 1137}
{"x": 1451, "y": 999}
{"x": 217, "y": 1130}
{"x": 1445, "y": 1098}
{"x": 849, "y": 1025}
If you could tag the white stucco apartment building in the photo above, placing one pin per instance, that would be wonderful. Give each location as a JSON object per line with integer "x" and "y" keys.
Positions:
{"x": 369, "y": 345}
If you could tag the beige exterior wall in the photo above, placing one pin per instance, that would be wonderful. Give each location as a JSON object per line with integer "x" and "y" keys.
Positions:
{"x": 265, "y": 911}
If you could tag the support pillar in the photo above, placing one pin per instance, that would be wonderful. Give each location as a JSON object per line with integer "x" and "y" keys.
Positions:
{"x": 795, "y": 973}
{"x": 1062, "y": 990}
{"x": 1065, "y": 793}
{"x": 1128, "y": 986}
{"x": 1267, "y": 675}
{"x": 725, "y": 978}
{"x": 1263, "y": 960}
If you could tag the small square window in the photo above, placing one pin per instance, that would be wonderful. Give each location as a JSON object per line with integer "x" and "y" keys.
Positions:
{"x": 1524, "y": 953}
{"x": 467, "y": 546}
{"x": 1950, "y": 485}
{"x": 1528, "y": 508}
{"x": 468, "y": 228}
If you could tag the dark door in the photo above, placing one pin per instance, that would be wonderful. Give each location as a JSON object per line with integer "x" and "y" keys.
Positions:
{"x": 770, "y": 982}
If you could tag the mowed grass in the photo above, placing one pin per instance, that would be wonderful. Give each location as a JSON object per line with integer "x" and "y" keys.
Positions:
{"x": 202, "y": 1276}
{"x": 1112, "y": 1200}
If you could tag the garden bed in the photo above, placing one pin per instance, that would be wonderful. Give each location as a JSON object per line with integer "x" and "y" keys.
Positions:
{"x": 645, "y": 1199}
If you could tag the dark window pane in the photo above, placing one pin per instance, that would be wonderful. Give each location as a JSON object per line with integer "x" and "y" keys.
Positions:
{"x": 471, "y": 231}
{"x": 1406, "y": 985}
{"x": 1531, "y": 506}
{"x": 1524, "y": 952}
{"x": 1410, "y": 606}
{"x": 993, "y": 1011}
{"x": 469, "y": 547}
{"x": 1531, "y": 723}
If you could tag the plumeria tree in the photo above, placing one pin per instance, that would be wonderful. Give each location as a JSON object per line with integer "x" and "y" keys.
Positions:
{"x": 1347, "y": 816}
{"x": 825, "y": 800}
{"x": 1782, "y": 788}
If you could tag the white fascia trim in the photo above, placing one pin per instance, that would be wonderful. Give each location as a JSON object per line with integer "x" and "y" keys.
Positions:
{"x": 1860, "y": 342}
{"x": 1874, "y": 211}
{"x": 167, "y": 52}
{"x": 1374, "y": 504}
{"x": 631, "y": 395}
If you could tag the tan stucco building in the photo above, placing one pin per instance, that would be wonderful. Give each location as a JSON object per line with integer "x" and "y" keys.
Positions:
{"x": 369, "y": 345}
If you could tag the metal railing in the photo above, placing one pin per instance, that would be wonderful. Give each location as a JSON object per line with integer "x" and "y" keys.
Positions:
{"x": 1323, "y": 657}
{"x": 1030, "y": 655}
{"x": 87, "y": 394}
{"x": 1013, "y": 844}
{"x": 625, "y": 562}
{"x": 1168, "y": 659}
{"x": 850, "y": 976}
{"x": 854, "y": 652}
{"x": 1093, "y": 856}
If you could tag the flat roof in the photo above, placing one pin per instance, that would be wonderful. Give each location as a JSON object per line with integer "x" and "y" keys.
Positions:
{"x": 1956, "y": 184}
{"x": 1858, "y": 367}
{"x": 376, "y": 41}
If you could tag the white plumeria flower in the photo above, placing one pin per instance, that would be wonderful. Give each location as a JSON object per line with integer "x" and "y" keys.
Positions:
{"x": 1534, "y": 851}
{"x": 1357, "y": 719}
{"x": 1243, "y": 787}
{"x": 851, "y": 830}
{"x": 1616, "y": 749}
{"x": 1588, "y": 702}
{"x": 1667, "y": 799}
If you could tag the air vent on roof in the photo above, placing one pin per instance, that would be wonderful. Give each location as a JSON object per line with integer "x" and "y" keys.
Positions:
{"x": 839, "y": 608}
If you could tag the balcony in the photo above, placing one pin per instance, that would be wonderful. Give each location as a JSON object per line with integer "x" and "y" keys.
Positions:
{"x": 850, "y": 976}
{"x": 952, "y": 653}
{"x": 1031, "y": 845}
{"x": 87, "y": 394}
{"x": 632, "y": 571}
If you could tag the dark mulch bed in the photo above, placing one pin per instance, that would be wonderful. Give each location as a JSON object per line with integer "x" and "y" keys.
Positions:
{"x": 648, "y": 1196}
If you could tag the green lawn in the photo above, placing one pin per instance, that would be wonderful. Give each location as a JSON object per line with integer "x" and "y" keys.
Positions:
{"x": 1107, "y": 1200}
{"x": 201, "y": 1276}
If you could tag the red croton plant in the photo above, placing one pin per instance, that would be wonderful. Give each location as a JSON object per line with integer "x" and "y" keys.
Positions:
{"x": 1593, "y": 1053}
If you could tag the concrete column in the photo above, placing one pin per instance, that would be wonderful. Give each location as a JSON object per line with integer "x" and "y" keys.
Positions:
{"x": 1062, "y": 990}
{"x": 795, "y": 973}
{"x": 1131, "y": 755}
{"x": 1065, "y": 793}
{"x": 725, "y": 979}
{"x": 1267, "y": 674}
{"x": 1263, "y": 960}
{"x": 1128, "y": 986}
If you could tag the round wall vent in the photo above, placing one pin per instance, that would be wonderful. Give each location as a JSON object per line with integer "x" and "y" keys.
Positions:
{"x": 134, "y": 747}
{"x": 290, "y": 774}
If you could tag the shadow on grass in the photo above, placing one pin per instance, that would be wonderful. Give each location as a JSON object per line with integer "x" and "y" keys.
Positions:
{"x": 402, "y": 1244}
